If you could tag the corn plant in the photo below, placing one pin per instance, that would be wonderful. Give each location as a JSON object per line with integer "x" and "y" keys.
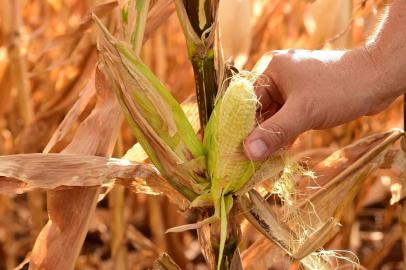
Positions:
{"x": 211, "y": 175}
{"x": 214, "y": 173}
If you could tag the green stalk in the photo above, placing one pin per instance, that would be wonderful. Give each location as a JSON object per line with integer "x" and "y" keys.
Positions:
{"x": 206, "y": 85}
{"x": 198, "y": 20}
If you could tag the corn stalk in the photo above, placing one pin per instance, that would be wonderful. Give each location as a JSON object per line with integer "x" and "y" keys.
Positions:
{"x": 198, "y": 19}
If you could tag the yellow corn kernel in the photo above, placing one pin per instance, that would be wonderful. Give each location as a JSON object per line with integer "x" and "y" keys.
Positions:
{"x": 235, "y": 121}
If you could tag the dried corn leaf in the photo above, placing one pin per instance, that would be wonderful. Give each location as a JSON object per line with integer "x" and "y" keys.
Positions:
{"x": 263, "y": 254}
{"x": 71, "y": 40}
{"x": 88, "y": 92}
{"x": 165, "y": 262}
{"x": 341, "y": 176}
{"x": 56, "y": 171}
{"x": 257, "y": 211}
{"x": 58, "y": 244}
{"x": 260, "y": 214}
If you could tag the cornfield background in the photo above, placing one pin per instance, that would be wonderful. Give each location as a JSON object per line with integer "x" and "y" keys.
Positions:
{"x": 47, "y": 59}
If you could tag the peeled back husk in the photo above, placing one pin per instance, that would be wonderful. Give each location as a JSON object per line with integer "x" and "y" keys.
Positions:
{"x": 155, "y": 117}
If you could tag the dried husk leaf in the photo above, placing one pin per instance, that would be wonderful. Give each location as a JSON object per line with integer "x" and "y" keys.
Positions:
{"x": 268, "y": 171}
{"x": 259, "y": 213}
{"x": 263, "y": 254}
{"x": 136, "y": 152}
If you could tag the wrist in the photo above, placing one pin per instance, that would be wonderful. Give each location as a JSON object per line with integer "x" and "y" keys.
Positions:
{"x": 386, "y": 74}
{"x": 387, "y": 50}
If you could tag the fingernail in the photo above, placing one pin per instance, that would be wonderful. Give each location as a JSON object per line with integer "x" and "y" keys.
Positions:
{"x": 257, "y": 149}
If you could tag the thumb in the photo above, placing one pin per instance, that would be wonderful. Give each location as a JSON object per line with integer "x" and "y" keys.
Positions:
{"x": 275, "y": 132}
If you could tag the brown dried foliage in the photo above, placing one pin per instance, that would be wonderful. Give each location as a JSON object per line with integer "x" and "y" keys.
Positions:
{"x": 53, "y": 100}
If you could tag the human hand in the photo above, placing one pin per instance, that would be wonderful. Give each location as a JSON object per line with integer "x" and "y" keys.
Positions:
{"x": 316, "y": 90}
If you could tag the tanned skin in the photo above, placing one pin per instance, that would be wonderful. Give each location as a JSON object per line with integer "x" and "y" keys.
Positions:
{"x": 322, "y": 89}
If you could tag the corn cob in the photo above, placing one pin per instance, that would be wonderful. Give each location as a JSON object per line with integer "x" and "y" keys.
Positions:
{"x": 231, "y": 122}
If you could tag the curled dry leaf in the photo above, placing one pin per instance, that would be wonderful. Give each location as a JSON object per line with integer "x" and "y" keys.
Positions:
{"x": 342, "y": 174}
{"x": 25, "y": 172}
{"x": 87, "y": 93}
{"x": 260, "y": 214}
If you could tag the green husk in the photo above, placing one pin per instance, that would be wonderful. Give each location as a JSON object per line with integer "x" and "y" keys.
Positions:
{"x": 156, "y": 118}
{"x": 229, "y": 169}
